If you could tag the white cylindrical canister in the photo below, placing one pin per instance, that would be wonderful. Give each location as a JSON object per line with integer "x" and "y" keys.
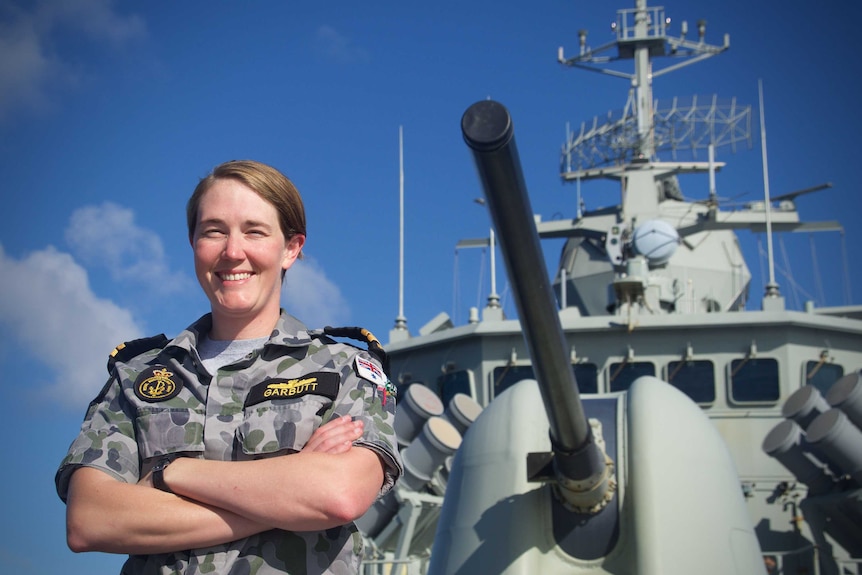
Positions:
{"x": 785, "y": 443}
{"x": 419, "y": 403}
{"x": 804, "y": 405}
{"x": 437, "y": 440}
{"x": 841, "y": 441}
{"x": 846, "y": 395}
{"x": 462, "y": 411}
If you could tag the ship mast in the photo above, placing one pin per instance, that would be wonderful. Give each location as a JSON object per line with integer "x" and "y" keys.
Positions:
{"x": 625, "y": 147}
{"x": 631, "y": 143}
{"x": 643, "y": 82}
{"x": 641, "y": 35}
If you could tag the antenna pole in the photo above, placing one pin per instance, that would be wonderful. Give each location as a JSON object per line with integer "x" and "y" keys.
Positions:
{"x": 712, "y": 195}
{"x": 493, "y": 298}
{"x": 401, "y": 321}
{"x": 772, "y": 287}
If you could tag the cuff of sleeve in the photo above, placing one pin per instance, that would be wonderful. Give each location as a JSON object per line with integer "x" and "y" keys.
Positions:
{"x": 392, "y": 461}
{"x": 64, "y": 474}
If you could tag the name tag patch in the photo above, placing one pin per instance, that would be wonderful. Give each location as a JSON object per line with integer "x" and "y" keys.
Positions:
{"x": 323, "y": 383}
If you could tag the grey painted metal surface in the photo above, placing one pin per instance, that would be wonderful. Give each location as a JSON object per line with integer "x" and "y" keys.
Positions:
{"x": 700, "y": 385}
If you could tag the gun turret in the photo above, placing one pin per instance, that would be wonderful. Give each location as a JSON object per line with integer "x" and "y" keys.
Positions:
{"x": 669, "y": 458}
{"x": 580, "y": 467}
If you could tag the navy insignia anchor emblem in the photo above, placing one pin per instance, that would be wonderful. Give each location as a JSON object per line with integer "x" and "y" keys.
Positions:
{"x": 157, "y": 384}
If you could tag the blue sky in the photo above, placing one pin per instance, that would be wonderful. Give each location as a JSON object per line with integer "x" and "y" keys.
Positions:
{"x": 110, "y": 113}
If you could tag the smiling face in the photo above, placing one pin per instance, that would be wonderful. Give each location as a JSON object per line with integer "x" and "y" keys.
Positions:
{"x": 240, "y": 252}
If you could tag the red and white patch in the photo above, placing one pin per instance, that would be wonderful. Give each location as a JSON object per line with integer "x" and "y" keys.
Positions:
{"x": 368, "y": 370}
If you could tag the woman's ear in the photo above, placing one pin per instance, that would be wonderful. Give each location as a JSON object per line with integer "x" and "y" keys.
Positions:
{"x": 292, "y": 250}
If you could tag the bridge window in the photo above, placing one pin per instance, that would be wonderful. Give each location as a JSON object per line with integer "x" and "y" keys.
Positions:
{"x": 508, "y": 375}
{"x": 623, "y": 374}
{"x": 695, "y": 378}
{"x": 587, "y": 376}
{"x": 754, "y": 380}
{"x": 822, "y": 375}
{"x": 451, "y": 384}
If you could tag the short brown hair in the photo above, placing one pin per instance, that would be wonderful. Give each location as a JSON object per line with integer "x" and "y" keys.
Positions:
{"x": 266, "y": 182}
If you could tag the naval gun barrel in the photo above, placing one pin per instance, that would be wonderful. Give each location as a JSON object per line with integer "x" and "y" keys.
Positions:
{"x": 488, "y": 131}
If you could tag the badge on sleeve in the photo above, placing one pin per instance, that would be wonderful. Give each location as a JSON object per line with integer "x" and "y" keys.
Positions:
{"x": 369, "y": 370}
{"x": 157, "y": 383}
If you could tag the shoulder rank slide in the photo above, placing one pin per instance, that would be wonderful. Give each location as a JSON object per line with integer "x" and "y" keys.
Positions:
{"x": 128, "y": 350}
{"x": 361, "y": 334}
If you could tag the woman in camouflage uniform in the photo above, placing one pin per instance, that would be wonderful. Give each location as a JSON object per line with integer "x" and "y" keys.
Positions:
{"x": 247, "y": 444}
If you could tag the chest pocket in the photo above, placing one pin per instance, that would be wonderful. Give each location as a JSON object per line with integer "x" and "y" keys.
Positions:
{"x": 162, "y": 431}
{"x": 280, "y": 414}
{"x": 280, "y": 425}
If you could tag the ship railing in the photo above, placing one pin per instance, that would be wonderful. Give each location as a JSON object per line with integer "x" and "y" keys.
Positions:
{"x": 627, "y": 24}
{"x": 770, "y": 558}
{"x": 393, "y": 567}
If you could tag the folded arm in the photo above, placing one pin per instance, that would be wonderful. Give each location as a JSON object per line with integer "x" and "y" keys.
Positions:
{"x": 105, "y": 514}
{"x": 306, "y": 491}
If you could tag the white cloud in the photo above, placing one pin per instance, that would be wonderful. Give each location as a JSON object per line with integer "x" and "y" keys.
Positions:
{"x": 24, "y": 66}
{"x": 311, "y": 297}
{"x": 338, "y": 47}
{"x": 96, "y": 19}
{"x": 107, "y": 236}
{"x": 30, "y": 65}
{"x": 48, "y": 307}
{"x": 51, "y": 312}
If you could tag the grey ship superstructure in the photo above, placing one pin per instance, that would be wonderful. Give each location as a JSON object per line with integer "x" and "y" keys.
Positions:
{"x": 650, "y": 298}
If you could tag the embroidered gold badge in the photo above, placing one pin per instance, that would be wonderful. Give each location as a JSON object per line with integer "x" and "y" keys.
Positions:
{"x": 156, "y": 384}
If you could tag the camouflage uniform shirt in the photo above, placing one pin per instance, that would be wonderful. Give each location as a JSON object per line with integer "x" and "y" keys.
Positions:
{"x": 265, "y": 405}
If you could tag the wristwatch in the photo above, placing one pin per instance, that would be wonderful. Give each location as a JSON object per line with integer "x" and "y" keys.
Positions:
{"x": 159, "y": 473}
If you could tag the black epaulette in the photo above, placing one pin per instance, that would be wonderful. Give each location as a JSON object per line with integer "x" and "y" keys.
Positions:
{"x": 362, "y": 334}
{"x": 128, "y": 350}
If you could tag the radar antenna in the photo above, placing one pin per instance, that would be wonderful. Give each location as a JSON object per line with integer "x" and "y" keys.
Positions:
{"x": 643, "y": 128}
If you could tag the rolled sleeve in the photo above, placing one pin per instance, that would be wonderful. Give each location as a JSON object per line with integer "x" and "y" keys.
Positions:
{"x": 375, "y": 407}
{"x": 106, "y": 442}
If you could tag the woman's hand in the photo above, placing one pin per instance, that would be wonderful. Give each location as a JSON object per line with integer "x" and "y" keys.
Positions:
{"x": 330, "y": 482}
{"x": 335, "y": 436}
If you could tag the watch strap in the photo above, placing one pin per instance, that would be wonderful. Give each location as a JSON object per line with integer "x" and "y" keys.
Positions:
{"x": 159, "y": 473}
